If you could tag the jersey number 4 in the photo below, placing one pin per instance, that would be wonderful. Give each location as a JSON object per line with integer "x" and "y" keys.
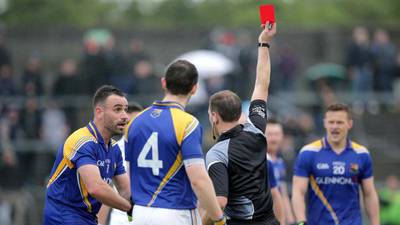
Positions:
{"x": 153, "y": 163}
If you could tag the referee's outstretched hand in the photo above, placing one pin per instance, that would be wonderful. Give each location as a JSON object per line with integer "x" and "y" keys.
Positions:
{"x": 269, "y": 30}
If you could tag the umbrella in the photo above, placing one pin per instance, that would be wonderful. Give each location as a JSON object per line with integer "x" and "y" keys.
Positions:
{"x": 326, "y": 71}
{"x": 209, "y": 63}
{"x": 100, "y": 36}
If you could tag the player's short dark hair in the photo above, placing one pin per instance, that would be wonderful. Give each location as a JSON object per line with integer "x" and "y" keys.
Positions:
{"x": 134, "y": 107}
{"x": 103, "y": 92}
{"x": 227, "y": 104}
{"x": 180, "y": 77}
{"x": 273, "y": 120}
{"x": 336, "y": 107}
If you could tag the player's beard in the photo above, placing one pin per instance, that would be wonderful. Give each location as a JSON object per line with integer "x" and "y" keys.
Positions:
{"x": 112, "y": 127}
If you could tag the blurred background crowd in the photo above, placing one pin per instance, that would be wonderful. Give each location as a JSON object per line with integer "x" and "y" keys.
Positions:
{"x": 54, "y": 55}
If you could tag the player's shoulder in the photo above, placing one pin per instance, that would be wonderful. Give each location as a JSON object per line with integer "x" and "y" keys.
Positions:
{"x": 140, "y": 117}
{"x": 80, "y": 137}
{"x": 75, "y": 141}
{"x": 314, "y": 146}
{"x": 182, "y": 116}
{"x": 184, "y": 123}
{"x": 358, "y": 148}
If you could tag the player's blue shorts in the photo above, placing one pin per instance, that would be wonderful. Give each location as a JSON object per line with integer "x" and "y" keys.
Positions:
{"x": 58, "y": 214}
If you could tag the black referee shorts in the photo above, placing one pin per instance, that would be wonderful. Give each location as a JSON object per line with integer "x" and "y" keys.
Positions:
{"x": 252, "y": 222}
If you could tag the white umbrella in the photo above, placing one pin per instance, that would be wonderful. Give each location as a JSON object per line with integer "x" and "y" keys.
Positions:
{"x": 209, "y": 63}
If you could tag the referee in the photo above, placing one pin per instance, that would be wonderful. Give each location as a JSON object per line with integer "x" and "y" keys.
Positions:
{"x": 237, "y": 162}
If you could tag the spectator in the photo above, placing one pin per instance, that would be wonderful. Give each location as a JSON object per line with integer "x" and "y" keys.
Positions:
{"x": 358, "y": 61}
{"x": 32, "y": 77}
{"x": 145, "y": 82}
{"x": 54, "y": 133}
{"x": 67, "y": 85}
{"x": 246, "y": 62}
{"x": 384, "y": 61}
{"x": 5, "y": 57}
{"x": 7, "y": 85}
{"x": 396, "y": 83}
{"x": 67, "y": 82}
{"x": 116, "y": 65}
{"x": 93, "y": 67}
{"x": 10, "y": 132}
{"x": 136, "y": 52}
{"x": 31, "y": 118}
{"x": 53, "y": 117}
{"x": 287, "y": 65}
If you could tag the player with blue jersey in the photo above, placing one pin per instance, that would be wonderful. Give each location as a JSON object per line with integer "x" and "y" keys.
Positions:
{"x": 274, "y": 134}
{"x": 278, "y": 204}
{"x": 332, "y": 169}
{"x": 165, "y": 159}
{"x": 87, "y": 163}
{"x": 118, "y": 217}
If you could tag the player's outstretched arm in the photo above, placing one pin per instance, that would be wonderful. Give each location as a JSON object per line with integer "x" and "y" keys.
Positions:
{"x": 100, "y": 190}
{"x": 299, "y": 189}
{"x": 204, "y": 189}
{"x": 263, "y": 64}
{"x": 371, "y": 200}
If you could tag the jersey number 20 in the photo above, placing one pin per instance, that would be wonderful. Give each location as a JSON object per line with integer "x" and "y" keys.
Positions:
{"x": 153, "y": 163}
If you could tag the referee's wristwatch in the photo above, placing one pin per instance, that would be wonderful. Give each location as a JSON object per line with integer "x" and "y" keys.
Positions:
{"x": 221, "y": 221}
{"x": 264, "y": 44}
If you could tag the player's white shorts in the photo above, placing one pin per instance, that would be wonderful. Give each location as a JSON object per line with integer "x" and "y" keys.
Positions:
{"x": 160, "y": 216}
{"x": 118, "y": 217}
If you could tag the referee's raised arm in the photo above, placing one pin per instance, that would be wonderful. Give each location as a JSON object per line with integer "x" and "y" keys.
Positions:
{"x": 263, "y": 63}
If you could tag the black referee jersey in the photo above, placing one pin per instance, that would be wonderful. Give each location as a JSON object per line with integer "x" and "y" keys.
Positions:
{"x": 237, "y": 167}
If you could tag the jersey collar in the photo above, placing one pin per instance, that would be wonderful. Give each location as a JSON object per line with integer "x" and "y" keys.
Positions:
{"x": 327, "y": 146}
{"x": 170, "y": 104}
{"x": 95, "y": 132}
{"x": 233, "y": 132}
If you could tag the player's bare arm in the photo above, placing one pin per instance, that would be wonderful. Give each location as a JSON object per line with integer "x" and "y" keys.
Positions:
{"x": 371, "y": 200}
{"x": 123, "y": 185}
{"x": 100, "y": 190}
{"x": 278, "y": 205}
{"x": 300, "y": 186}
{"x": 204, "y": 189}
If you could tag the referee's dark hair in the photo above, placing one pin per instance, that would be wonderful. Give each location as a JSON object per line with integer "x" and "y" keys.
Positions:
{"x": 227, "y": 104}
{"x": 104, "y": 92}
{"x": 336, "y": 107}
{"x": 180, "y": 77}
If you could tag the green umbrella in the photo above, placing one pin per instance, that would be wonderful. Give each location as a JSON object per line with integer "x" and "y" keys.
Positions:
{"x": 100, "y": 36}
{"x": 326, "y": 71}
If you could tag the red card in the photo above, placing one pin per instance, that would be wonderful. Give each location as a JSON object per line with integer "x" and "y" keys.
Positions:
{"x": 267, "y": 13}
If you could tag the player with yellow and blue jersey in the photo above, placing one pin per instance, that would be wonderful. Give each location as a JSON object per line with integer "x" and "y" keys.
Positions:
{"x": 275, "y": 135}
{"x": 86, "y": 164}
{"x": 332, "y": 170}
{"x": 166, "y": 165}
